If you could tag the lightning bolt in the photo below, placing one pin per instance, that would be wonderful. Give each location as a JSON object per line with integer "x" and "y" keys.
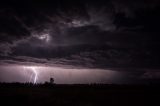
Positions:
{"x": 34, "y": 75}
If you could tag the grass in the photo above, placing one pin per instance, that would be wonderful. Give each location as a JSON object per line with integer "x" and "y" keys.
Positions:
{"x": 78, "y": 95}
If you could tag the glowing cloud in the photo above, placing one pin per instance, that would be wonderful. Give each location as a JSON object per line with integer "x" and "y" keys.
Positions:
{"x": 45, "y": 37}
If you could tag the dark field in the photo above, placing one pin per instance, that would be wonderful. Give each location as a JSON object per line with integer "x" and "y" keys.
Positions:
{"x": 79, "y": 95}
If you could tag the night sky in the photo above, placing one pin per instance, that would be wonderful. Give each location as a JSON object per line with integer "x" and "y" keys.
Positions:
{"x": 80, "y": 41}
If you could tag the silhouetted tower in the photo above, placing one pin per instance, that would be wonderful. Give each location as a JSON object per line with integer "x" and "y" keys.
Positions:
{"x": 51, "y": 80}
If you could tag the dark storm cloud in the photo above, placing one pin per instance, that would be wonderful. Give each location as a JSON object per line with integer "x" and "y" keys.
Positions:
{"x": 84, "y": 34}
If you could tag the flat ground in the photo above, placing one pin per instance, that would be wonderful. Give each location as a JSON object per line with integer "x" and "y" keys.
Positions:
{"x": 79, "y": 95}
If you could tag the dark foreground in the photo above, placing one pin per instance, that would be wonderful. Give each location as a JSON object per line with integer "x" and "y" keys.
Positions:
{"x": 79, "y": 95}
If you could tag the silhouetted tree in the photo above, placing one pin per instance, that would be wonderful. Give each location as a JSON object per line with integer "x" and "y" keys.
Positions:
{"x": 51, "y": 80}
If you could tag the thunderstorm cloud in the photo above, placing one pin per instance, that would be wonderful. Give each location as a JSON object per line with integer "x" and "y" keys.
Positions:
{"x": 115, "y": 34}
